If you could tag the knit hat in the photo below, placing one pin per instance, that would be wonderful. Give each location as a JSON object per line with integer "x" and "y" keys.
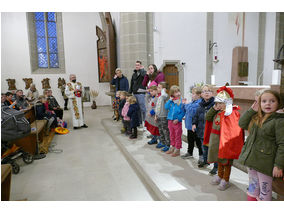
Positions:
{"x": 225, "y": 95}
{"x": 153, "y": 83}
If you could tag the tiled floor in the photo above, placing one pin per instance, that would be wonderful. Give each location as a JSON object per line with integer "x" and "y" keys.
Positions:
{"x": 98, "y": 163}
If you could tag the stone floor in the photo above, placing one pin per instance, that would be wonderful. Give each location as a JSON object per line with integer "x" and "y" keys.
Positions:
{"x": 99, "y": 163}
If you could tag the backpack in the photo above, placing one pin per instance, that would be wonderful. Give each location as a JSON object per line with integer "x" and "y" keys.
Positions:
{"x": 14, "y": 125}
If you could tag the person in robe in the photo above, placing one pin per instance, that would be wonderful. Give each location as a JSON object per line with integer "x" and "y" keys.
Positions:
{"x": 73, "y": 91}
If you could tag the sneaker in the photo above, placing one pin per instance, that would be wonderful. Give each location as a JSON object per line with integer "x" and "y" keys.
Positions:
{"x": 165, "y": 149}
{"x": 223, "y": 185}
{"x": 186, "y": 156}
{"x": 84, "y": 126}
{"x": 153, "y": 141}
{"x": 149, "y": 136}
{"x": 213, "y": 171}
{"x": 171, "y": 150}
{"x": 201, "y": 164}
{"x": 176, "y": 153}
{"x": 160, "y": 145}
{"x": 216, "y": 180}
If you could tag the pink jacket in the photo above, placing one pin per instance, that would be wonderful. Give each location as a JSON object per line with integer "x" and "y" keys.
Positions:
{"x": 124, "y": 111}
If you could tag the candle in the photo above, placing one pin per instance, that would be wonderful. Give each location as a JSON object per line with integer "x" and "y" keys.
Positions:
{"x": 213, "y": 79}
{"x": 276, "y": 77}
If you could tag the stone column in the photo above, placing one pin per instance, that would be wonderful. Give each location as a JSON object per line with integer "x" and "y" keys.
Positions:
{"x": 136, "y": 41}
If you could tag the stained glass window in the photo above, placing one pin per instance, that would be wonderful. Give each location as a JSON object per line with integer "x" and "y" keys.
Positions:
{"x": 46, "y": 33}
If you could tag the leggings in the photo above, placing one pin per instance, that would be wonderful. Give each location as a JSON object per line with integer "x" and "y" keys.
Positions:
{"x": 260, "y": 185}
{"x": 224, "y": 171}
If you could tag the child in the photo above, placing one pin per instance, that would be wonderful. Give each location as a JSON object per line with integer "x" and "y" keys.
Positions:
{"x": 115, "y": 106}
{"x": 134, "y": 116}
{"x": 190, "y": 109}
{"x": 161, "y": 117}
{"x": 226, "y": 137}
{"x": 174, "y": 117}
{"x": 125, "y": 118}
{"x": 122, "y": 98}
{"x": 263, "y": 152}
{"x": 198, "y": 124}
{"x": 150, "y": 123}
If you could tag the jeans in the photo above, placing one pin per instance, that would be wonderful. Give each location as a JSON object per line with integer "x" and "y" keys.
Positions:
{"x": 141, "y": 102}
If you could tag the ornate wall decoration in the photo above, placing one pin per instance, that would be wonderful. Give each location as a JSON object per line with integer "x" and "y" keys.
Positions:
{"x": 61, "y": 82}
{"x": 11, "y": 84}
{"x": 45, "y": 83}
{"x": 28, "y": 82}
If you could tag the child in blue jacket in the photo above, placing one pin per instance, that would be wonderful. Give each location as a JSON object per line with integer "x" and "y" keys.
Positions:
{"x": 190, "y": 110}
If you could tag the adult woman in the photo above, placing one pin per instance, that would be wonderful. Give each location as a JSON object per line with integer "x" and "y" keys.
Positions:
{"x": 153, "y": 74}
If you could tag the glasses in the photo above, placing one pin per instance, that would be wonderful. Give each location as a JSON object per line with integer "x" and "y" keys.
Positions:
{"x": 206, "y": 91}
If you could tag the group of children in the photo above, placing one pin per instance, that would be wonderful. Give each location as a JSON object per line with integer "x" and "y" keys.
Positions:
{"x": 217, "y": 128}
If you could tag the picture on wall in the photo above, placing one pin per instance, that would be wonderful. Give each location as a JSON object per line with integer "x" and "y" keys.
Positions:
{"x": 86, "y": 97}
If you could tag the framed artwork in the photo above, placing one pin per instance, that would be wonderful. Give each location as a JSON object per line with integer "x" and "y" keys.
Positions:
{"x": 103, "y": 60}
{"x": 86, "y": 97}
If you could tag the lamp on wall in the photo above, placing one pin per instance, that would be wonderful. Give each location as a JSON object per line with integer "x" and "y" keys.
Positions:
{"x": 214, "y": 46}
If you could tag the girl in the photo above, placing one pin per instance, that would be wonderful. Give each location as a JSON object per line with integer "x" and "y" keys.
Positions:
{"x": 190, "y": 109}
{"x": 263, "y": 152}
{"x": 150, "y": 123}
{"x": 175, "y": 116}
{"x": 161, "y": 117}
{"x": 134, "y": 116}
{"x": 125, "y": 118}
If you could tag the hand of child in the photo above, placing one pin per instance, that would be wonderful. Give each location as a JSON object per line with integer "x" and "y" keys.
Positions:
{"x": 277, "y": 172}
{"x": 171, "y": 98}
{"x": 175, "y": 121}
{"x": 215, "y": 107}
{"x": 115, "y": 76}
{"x": 255, "y": 106}
{"x": 184, "y": 101}
{"x": 193, "y": 127}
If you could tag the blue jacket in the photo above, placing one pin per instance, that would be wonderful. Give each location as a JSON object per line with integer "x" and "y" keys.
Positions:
{"x": 199, "y": 118}
{"x": 133, "y": 114}
{"x": 190, "y": 110}
{"x": 175, "y": 111}
{"x": 123, "y": 83}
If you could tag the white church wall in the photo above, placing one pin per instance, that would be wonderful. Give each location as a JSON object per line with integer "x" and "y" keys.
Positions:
{"x": 225, "y": 34}
{"x": 269, "y": 47}
{"x": 79, "y": 32}
{"x": 182, "y": 36}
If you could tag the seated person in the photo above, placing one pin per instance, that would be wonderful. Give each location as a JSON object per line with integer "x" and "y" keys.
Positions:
{"x": 9, "y": 102}
{"x": 3, "y": 99}
{"x": 22, "y": 103}
{"x": 53, "y": 104}
{"x": 32, "y": 93}
{"x": 42, "y": 112}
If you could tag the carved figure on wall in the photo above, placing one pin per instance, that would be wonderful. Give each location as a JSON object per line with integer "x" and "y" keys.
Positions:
{"x": 45, "y": 83}
{"x": 61, "y": 82}
{"x": 11, "y": 84}
{"x": 28, "y": 82}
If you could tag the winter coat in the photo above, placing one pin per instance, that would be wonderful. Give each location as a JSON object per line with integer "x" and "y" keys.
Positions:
{"x": 159, "y": 78}
{"x": 160, "y": 110}
{"x": 190, "y": 110}
{"x": 124, "y": 111}
{"x": 199, "y": 118}
{"x": 52, "y": 102}
{"x": 123, "y": 84}
{"x": 264, "y": 147}
{"x": 175, "y": 111}
{"x": 150, "y": 108}
{"x": 133, "y": 114}
{"x": 136, "y": 81}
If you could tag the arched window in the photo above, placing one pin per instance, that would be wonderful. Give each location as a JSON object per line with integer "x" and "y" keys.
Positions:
{"x": 46, "y": 42}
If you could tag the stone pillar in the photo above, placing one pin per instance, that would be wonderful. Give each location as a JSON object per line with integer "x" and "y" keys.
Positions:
{"x": 136, "y": 41}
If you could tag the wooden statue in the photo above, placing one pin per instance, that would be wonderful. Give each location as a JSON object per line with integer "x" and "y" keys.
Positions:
{"x": 28, "y": 82}
{"x": 45, "y": 83}
{"x": 11, "y": 84}
{"x": 61, "y": 82}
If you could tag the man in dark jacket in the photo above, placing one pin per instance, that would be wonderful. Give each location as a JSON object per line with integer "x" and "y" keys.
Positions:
{"x": 120, "y": 81}
{"x": 135, "y": 85}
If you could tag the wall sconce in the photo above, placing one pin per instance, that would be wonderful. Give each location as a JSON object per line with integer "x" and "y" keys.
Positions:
{"x": 215, "y": 51}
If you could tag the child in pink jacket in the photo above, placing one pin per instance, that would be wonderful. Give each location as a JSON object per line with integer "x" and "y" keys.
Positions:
{"x": 125, "y": 118}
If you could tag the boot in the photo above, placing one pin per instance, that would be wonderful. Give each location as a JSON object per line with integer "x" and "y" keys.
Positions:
{"x": 171, "y": 150}
{"x": 176, "y": 153}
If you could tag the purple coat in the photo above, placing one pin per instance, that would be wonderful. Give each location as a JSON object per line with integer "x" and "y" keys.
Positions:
{"x": 159, "y": 78}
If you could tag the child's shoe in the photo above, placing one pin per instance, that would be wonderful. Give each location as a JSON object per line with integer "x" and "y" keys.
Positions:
{"x": 186, "y": 156}
{"x": 216, "y": 180}
{"x": 223, "y": 185}
{"x": 201, "y": 164}
{"x": 122, "y": 130}
{"x": 213, "y": 171}
{"x": 200, "y": 160}
{"x": 171, "y": 150}
{"x": 176, "y": 153}
{"x": 160, "y": 145}
{"x": 132, "y": 137}
{"x": 127, "y": 133}
{"x": 165, "y": 149}
{"x": 153, "y": 141}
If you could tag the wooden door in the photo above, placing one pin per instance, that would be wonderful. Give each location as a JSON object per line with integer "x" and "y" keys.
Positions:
{"x": 171, "y": 75}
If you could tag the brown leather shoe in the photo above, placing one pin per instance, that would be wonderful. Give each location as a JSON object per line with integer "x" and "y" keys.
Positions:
{"x": 176, "y": 153}
{"x": 171, "y": 150}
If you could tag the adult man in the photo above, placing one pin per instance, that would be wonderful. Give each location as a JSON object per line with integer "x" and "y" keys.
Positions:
{"x": 32, "y": 93}
{"x": 53, "y": 104}
{"x": 135, "y": 85}
{"x": 120, "y": 81}
{"x": 21, "y": 101}
{"x": 74, "y": 92}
